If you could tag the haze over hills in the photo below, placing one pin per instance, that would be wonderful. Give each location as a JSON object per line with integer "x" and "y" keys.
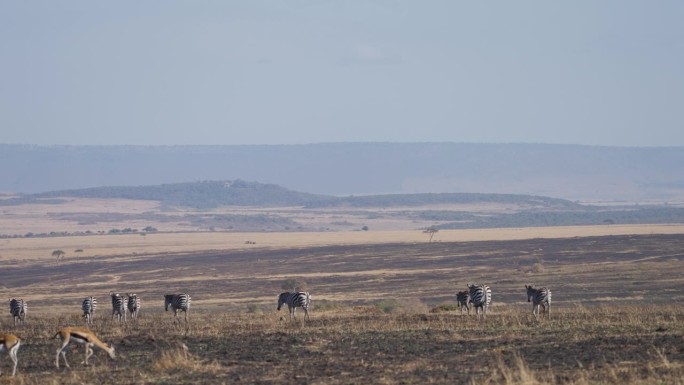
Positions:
{"x": 562, "y": 171}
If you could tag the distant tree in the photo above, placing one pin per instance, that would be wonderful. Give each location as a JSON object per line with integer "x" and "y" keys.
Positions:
{"x": 364, "y": 228}
{"x": 431, "y": 231}
{"x": 59, "y": 254}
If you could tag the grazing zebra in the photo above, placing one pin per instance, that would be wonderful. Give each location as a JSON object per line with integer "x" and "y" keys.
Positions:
{"x": 10, "y": 343}
{"x": 462, "y": 298}
{"x": 480, "y": 297}
{"x": 539, "y": 297}
{"x": 118, "y": 307}
{"x": 88, "y": 306}
{"x": 294, "y": 300}
{"x": 18, "y": 309}
{"x": 177, "y": 302}
{"x": 133, "y": 305}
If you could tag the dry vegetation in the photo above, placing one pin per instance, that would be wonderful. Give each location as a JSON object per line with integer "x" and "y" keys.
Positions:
{"x": 580, "y": 345}
{"x": 383, "y": 313}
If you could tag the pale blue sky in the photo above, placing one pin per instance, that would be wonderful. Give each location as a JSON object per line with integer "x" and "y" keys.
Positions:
{"x": 284, "y": 72}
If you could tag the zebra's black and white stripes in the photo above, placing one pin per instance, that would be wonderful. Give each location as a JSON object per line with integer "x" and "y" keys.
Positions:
{"x": 118, "y": 307}
{"x": 462, "y": 299}
{"x": 88, "y": 306}
{"x": 540, "y": 298}
{"x": 18, "y": 310}
{"x": 481, "y": 298}
{"x": 177, "y": 302}
{"x": 133, "y": 305}
{"x": 294, "y": 300}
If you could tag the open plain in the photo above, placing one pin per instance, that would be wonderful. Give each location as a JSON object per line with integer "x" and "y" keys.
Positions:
{"x": 383, "y": 306}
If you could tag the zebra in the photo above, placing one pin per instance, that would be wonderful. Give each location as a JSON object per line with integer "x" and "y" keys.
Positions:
{"x": 462, "y": 299}
{"x": 539, "y": 297}
{"x": 18, "y": 309}
{"x": 480, "y": 297}
{"x": 177, "y": 302}
{"x": 88, "y": 306}
{"x": 294, "y": 300}
{"x": 118, "y": 307}
{"x": 133, "y": 305}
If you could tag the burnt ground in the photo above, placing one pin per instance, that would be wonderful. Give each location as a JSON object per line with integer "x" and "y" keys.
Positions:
{"x": 605, "y": 269}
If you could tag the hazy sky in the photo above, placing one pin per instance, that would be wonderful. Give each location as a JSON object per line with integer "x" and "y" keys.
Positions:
{"x": 283, "y": 72}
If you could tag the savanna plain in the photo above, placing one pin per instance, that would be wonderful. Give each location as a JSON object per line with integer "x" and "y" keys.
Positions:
{"x": 383, "y": 312}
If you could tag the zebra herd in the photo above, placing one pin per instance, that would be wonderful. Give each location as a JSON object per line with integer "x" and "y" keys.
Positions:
{"x": 121, "y": 306}
{"x": 480, "y": 296}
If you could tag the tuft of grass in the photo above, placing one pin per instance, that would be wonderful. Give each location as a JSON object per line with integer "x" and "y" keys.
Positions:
{"x": 387, "y": 305}
{"x": 180, "y": 358}
{"x": 445, "y": 308}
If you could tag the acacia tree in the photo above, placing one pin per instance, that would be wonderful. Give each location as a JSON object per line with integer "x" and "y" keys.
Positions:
{"x": 431, "y": 231}
{"x": 59, "y": 254}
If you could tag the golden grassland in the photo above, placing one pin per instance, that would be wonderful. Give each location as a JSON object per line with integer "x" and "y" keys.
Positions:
{"x": 186, "y": 242}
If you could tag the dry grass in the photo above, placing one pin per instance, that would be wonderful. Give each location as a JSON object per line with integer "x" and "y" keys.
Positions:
{"x": 611, "y": 345}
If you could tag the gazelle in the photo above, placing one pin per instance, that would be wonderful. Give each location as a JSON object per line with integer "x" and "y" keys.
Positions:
{"x": 82, "y": 336}
{"x": 10, "y": 343}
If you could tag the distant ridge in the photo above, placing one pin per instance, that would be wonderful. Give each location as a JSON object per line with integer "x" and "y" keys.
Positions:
{"x": 564, "y": 171}
{"x": 500, "y": 210}
{"x": 211, "y": 194}
{"x": 199, "y": 195}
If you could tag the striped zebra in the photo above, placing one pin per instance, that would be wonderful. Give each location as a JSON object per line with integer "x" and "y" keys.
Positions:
{"x": 294, "y": 300}
{"x": 481, "y": 298}
{"x": 18, "y": 309}
{"x": 118, "y": 307}
{"x": 539, "y": 297}
{"x": 133, "y": 305}
{"x": 177, "y": 302}
{"x": 462, "y": 299}
{"x": 88, "y": 306}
